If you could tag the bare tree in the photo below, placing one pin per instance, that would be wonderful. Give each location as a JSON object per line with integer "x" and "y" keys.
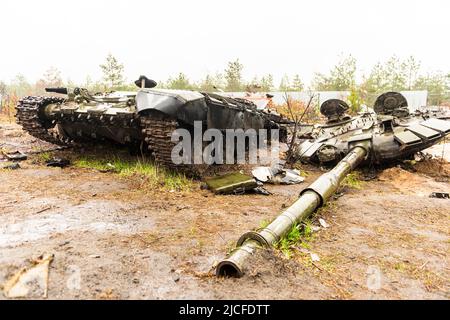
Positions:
{"x": 297, "y": 116}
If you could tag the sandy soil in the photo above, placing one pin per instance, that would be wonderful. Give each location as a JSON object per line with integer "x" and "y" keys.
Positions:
{"x": 112, "y": 239}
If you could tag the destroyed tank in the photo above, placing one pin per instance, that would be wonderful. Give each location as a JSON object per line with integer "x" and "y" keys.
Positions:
{"x": 146, "y": 117}
{"x": 386, "y": 133}
{"x": 390, "y": 131}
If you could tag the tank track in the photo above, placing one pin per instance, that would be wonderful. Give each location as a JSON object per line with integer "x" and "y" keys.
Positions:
{"x": 157, "y": 134}
{"x": 28, "y": 116}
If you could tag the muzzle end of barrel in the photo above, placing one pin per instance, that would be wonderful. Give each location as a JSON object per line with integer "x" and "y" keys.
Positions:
{"x": 228, "y": 268}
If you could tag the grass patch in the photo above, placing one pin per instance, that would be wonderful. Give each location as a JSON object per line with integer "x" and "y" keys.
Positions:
{"x": 4, "y": 165}
{"x": 400, "y": 266}
{"x": 263, "y": 223}
{"x": 300, "y": 234}
{"x": 43, "y": 157}
{"x": 154, "y": 175}
{"x": 431, "y": 280}
{"x": 352, "y": 180}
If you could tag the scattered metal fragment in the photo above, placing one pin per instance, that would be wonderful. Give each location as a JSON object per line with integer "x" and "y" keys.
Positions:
{"x": 235, "y": 182}
{"x": 262, "y": 174}
{"x": 11, "y": 166}
{"x": 109, "y": 168}
{"x": 261, "y": 190}
{"x": 31, "y": 281}
{"x": 176, "y": 278}
{"x": 323, "y": 223}
{"x": 440, "y": 195}
{"x": 314, "y": 257}
{"x": 57, "y": 162}
{"x": 277, "y": 175}
{"x": 16, "y": 156}
{"x": 288, "y": 176}
{"x": 337, "y": 195}
{"x": 422, "y": 156}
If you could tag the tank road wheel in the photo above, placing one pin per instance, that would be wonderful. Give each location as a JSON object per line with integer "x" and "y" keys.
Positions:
{"x": 30, "y": 115}
{"x": 157, "y": 132}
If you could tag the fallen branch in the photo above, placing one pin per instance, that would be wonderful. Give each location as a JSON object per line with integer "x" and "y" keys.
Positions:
{"x": 42, "y": 210}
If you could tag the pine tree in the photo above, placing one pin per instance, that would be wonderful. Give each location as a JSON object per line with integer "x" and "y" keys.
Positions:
{"x": 112, "y": 72}
{"x": 233, "y": 76}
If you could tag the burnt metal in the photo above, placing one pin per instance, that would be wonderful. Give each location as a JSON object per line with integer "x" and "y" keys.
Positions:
{"x": 16, "y": 156}
{"x": 334, "y": 110}
{"x": 57, "y": 162}
{"x": 392, "y": 131}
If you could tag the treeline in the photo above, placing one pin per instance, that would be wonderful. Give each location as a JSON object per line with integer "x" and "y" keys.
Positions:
{"x": 393, "y": 74}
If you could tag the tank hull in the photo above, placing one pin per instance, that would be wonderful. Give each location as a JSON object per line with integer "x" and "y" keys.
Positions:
{"x": 148, "y": 116}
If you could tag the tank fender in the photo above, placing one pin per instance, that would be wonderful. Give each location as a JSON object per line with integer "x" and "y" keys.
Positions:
{"x": 186, "y": 106}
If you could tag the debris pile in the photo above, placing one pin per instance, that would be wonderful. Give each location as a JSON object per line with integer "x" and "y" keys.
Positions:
{"x": 240, "y": 183}
{"x": 57, "y": 162}
{"x": 11, "y": 159}
{"x": 232, "y": 183}
{"x": 277, "y": 175}
{"x": 16, "y": 156}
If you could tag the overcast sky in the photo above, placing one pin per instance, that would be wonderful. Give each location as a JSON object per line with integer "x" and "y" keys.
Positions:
{"x": 161, "y": 38}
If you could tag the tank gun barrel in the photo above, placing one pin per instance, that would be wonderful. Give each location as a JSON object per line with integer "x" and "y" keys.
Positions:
{"x": 310, "y": 199}
{"x": 60, "y": 90}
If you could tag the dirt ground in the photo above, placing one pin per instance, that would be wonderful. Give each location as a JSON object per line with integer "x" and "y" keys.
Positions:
{"x": 386, "y": 238}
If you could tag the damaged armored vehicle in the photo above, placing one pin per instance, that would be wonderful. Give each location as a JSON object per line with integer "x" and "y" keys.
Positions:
{"x": 148, "y": 116}
{"x": 387, "y": 133}
{"x": 390, "y": 131}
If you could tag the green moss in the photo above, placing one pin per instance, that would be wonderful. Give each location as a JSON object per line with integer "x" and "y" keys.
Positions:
{"x": 352, "y": 180}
